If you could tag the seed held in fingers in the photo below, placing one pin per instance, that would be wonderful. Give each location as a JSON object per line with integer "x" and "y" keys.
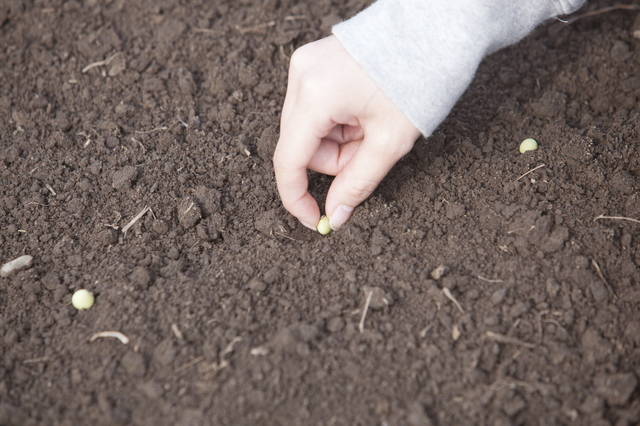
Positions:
{"x": 324, "y": 227}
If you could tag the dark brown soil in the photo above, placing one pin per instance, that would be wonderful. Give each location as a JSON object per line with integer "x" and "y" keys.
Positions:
{"x": 236, "y": 314}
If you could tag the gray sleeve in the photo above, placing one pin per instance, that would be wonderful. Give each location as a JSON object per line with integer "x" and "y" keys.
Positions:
{"x": 424, "y": 53}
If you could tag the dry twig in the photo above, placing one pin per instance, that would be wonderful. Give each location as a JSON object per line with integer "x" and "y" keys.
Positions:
{"x": 488, "y": 280}
{"x": 447, "y": 293}
{"x": 135, "y": 219}
{"x": 599, "y": 272}
{"x": 124, "y": 339}
{"x": 505, "y": 339}
{"x": 530, "y": 171}
{"x": 616, "y": 218}
{"x": 364, "y": 311}
{"x": 100, "y": 63}
{"x": 190, "y": 364}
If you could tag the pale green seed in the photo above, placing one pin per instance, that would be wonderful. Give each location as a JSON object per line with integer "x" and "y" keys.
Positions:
{"x": 324, "y": 227}
{"x": 528, "y": 145}
{"x": 82, "y": 299}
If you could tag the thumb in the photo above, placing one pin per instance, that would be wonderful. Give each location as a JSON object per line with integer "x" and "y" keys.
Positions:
{"x": 361, "y": 175}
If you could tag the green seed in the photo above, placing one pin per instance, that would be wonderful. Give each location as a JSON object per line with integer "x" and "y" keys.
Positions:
{"x": 82, "y": 299}
{"x": 528, "y": 145}
{"x": 324, "y": 227}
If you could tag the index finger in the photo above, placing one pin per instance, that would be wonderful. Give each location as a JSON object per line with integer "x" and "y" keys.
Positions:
{"x": 300, "y": 137}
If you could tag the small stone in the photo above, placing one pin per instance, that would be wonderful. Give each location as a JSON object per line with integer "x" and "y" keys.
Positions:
{"x": 335, "y": 325}
{"x": 552, "y": 287}
{"x": 174, "y": 253}
{"x": 11, "y": 268}
{"x": 123, "y": 178}
{"x": 189, "y": 213}
{"x": 498, "y": 296}
{"x": 201, "y": 231}
{"x": 151, "y": 389}
{"x": 616, "y": 388}
{"x": 632, "y": 332}
{"x": 134, "y": 364}
{"x": 273, "y": 275}
{"x": 257, "y": 285}
{"x": 599, "y": 291}
{"x": 418, "y": 415}
{"x": 107, "y": 237}
{"x": 294, "y": 339}
{"x": 117, "y": 65}
{"x": 141, "y": 277}
{"x": 351, "y": 275}
{"x": 160, "y": 227}
{"x": 437, "y": 273}
{"x": 112, "y": 142}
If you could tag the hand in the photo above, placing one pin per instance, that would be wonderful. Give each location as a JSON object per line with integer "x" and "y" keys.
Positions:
{"x": 335, "y": 120}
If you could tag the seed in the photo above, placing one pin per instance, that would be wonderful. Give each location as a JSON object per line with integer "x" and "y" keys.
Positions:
{"x": 82, "y": 299}
{"x": 324, "y": 227}
{"x": 528, "y": 145}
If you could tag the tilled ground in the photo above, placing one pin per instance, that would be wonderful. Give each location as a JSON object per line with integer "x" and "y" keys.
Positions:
{"x": 235, "y": 313}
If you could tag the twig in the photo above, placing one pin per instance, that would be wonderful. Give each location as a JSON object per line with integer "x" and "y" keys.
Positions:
{"x": 540, "y": 331}
{"x": 208, "y": 31}
{"x": 36, "y": 360}
{"x": 530, "y": 171}
{"x": 505, "y": 339}
{"x": 157, "y": 129}
{"x": 599, "y": 272}
{"x": 294, "y": 17}
{"x": 522, "y": 229}
{"x": 425, "y": 330}
{"x": 135, "y": 219}
{"x": 364, "y": 311}
{"x": 488, "y": 280}
{"x": 447, "y": 293}
{"x": 285, "y": 236}
{"x": 100, "y": 63}
{"x": 255, "y": 27}
{"x": 229, "y": 347}
{"x": 190, "y": 364}
{"x": 176, "y": 331}
{"x": 144, "y": 150}
{"x": 603, "y": 10}
{"x": 616, "y": 218}
{"x": 259, "y": 351}
{"x": 124, "y": 339}
{"x": 50, "y": 189}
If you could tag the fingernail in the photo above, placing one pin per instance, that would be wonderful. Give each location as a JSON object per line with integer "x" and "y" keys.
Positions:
{"x": 313, "y": 228}
{"x": 340, "y": 217}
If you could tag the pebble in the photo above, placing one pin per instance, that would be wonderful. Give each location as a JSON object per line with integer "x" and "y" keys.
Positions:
{"x": 134, "y": 364}
{"x": 257, "y": 285}
{"x": 11, "y": 268}
{"x": 141, "y": 276}
{"x": 123, "y": 178}
{"x": 437, "y": 273}
{"x": 273, "y": 275}
{"x": 616, "y": 389}
{"x": 335, "y": 325}
{"x": 189, "y": 213}
{"x": 632, "y": 332}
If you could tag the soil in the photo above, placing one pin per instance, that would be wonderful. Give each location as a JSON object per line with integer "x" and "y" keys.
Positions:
{"x": 497, "y": 294}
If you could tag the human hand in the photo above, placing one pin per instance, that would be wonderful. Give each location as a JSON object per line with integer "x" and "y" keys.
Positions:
{"x": 335, "y": 120}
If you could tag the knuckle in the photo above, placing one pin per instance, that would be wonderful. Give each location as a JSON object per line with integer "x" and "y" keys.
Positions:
{"x": 359, "y": 189}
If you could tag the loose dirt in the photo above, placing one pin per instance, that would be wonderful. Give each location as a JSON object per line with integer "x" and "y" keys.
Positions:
{"x": 235, "y": 314}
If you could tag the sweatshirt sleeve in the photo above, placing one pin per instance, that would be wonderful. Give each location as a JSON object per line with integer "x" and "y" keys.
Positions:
{"x": 424, "y": 53}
